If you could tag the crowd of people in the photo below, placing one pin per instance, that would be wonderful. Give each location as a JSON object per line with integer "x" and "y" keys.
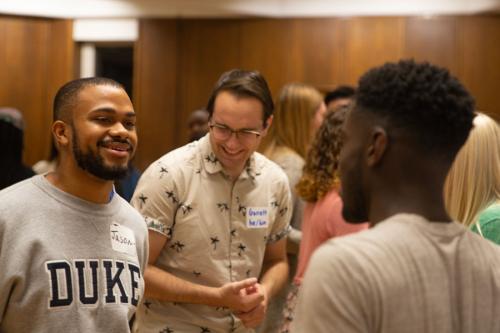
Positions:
{"x": 370, "y": 209}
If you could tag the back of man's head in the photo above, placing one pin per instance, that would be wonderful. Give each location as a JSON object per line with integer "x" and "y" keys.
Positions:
{"x": 424, "y": 101}
{"x": 66, "y": 96}
{"x": 340, "y": 92}
{"x": 243, "y": 83}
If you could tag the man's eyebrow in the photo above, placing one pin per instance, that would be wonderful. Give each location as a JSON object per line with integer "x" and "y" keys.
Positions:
{"x": 130, "y": 114}
{"x": 104, "y": 109}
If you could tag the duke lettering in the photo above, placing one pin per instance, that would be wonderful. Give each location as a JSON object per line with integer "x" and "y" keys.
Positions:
{"x": 108, "y": 281}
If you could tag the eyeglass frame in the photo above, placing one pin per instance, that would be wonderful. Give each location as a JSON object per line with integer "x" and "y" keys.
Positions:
{"x": 225, "y": 127}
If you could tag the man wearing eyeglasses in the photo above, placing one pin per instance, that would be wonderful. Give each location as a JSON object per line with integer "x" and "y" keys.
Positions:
{"x": 218, "y": 213}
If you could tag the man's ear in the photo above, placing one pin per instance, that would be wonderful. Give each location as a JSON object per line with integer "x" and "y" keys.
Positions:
{"x": 269, "y": 121}
{"x": 61, "y": 132}
{"x": 378, "y": 146}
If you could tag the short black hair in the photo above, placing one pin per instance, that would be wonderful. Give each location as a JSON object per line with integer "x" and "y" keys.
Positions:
{"x": 243, "y": 84}
{"x": 340, "y": 92}
{"x": 65, "y": 96}
{"x": 425, "y": 101}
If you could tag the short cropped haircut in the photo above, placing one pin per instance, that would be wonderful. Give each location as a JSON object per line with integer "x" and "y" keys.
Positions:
{"x": 243, "y": 84}
{"x": 340, "y": 92}
{"x": 66, "y": 95}
{"x": 424, "y": 101}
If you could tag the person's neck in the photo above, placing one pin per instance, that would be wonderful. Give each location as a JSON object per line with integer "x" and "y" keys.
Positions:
{"x": 81, "y": 184}
{"x": 276, "y": 149}
{"x": 427, "y": 202}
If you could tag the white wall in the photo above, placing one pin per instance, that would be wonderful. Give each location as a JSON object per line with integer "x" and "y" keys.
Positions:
{"x": 89, "y": 31}
{"x": 105, "y": 30}
{"x": 232, "y": 8}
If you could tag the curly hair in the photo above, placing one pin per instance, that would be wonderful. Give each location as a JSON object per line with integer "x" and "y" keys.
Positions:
{"x": 425, "y": 101}
{"x": 320, "y": 171}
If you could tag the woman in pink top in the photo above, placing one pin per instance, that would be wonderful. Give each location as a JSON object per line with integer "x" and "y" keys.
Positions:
{"x": 323, "y": 212}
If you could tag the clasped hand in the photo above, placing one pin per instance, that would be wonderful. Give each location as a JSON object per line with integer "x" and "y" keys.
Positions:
{"x": 248, "y": 300}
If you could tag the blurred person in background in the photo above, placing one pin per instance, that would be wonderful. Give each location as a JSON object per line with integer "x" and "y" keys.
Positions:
{"x": 319, "y": 186}
{"x": 299, "y": 113}
{"x": 341, "y": 96}
{"x": 125, "y": 186}
{"x": 472, "y": 188}
{"x": 12, "y": 169}
{"x": 198, "y": 124}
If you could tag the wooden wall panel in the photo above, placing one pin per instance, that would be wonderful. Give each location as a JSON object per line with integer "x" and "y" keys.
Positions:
{"x": 480, "y": 50}
{"x": 371, "y": 42}
{"x": 266, "y": 45}
{"x": 206, "y": 49}
{"x": 318, "y": 45}
{"x": 155, "y": 89}
{"x": 60, "y": 69}
{"x": 35, "y": 59}
{"x": 3, "y": 60}
{"x": 323, "y": 52}
{"x": 178, "y": 61}
{"x": 434, "y": 40}
{"x": 24, "y": 76}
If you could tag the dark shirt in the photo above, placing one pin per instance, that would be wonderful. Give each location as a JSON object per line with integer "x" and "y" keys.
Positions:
{"x": 13, "y": 172}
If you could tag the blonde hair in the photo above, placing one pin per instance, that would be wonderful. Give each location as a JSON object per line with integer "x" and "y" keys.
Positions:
{"x": 473, "y": 182}
{"x": 293, "y": 117}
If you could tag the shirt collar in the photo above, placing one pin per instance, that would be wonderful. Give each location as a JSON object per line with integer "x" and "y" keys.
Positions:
{"x": 208, "y": 159}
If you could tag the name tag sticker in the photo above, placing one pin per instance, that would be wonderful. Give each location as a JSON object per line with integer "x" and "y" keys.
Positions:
{"x": 122, "y": 239}
{"x": 257, "y": 217}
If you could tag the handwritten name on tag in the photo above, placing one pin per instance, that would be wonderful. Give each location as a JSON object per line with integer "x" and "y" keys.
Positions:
{"x": 122, "y": 239}
{"x": 257, "y": 217}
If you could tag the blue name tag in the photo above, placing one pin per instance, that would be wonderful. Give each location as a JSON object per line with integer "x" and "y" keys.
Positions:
{"x": 257, "y": 217}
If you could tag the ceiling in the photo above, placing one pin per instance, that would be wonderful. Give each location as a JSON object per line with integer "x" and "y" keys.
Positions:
{"x": 243, "y": 8}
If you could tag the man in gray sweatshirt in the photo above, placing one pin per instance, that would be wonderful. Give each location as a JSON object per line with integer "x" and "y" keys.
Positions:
{"x": 72, "y": 252}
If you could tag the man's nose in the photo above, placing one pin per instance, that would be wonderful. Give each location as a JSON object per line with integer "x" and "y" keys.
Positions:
{"x": 118, "y": 130}
{"x": 233, "y": 140}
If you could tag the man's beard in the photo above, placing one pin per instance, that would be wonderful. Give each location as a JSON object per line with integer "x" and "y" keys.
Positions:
{"x": 355, "y": 204}
{"x": 94, "y": 163}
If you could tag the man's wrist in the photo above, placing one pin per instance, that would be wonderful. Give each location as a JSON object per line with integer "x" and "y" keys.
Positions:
{"x": 266, "y": 290}
{"x": 214, "y": 297}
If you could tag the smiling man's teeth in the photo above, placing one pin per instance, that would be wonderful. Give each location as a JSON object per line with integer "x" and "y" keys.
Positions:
{"x": 230, "y": 152}
{"x": 118, "y": 146}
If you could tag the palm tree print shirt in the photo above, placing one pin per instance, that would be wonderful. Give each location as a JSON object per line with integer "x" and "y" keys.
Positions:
{"x": 217, "y": 229}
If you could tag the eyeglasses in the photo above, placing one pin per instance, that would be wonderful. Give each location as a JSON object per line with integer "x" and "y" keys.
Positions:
{"x": 222, "y": 132}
